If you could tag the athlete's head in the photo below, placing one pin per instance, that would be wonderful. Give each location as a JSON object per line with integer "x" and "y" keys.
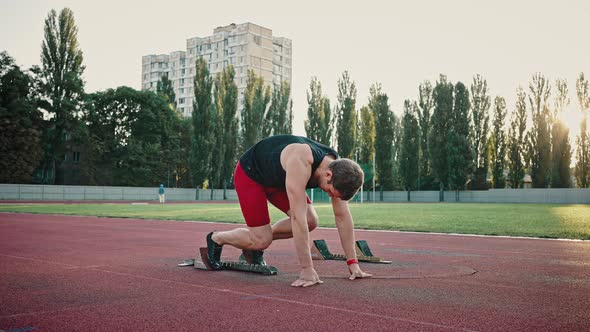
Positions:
{"x": 344, "y": 179}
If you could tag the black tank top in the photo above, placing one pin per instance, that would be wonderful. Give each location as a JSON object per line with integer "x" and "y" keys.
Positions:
{"x": 262, "y": 161}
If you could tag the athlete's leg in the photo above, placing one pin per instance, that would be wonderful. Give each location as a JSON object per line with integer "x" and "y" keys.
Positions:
{"x": 252, "y": 238}
{"x": 282, "y": 228}
{"x": 258, "y": 234}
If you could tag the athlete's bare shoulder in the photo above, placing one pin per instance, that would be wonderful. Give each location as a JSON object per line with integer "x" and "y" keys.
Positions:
{"x": 296, "y": 152}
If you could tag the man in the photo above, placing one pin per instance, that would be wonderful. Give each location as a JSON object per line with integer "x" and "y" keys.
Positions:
{"x": 279, "y": 169}
{"x": 161, "y": 194}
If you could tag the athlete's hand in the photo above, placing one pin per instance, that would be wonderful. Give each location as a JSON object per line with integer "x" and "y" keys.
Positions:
{"x": 356, "y": 272}
{"x": 307, "y": 277}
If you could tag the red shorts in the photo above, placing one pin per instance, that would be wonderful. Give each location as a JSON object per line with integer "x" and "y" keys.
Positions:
{"x": 253, "y": 198}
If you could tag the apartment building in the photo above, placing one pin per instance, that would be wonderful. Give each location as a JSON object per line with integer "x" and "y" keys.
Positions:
{"x": 245, "y": 46}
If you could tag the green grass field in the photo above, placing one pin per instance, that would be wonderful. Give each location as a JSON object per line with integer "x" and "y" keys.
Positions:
{"x": 535, "y": 220}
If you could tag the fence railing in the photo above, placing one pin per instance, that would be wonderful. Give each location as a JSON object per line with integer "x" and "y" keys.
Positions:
{"x": 27, "y": 192}
{"x": 90, "y": 193}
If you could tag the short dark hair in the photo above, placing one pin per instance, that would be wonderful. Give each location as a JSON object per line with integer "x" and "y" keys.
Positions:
{"x": 347, "y": 177}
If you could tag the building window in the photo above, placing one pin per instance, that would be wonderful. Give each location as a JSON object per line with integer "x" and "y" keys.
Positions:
{"x": 181, "y": 91}
{"x": 181, "y": 101}
{"x": 76, "y": 157}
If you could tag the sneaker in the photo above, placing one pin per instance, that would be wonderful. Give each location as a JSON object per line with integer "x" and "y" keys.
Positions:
{"x": 213, "y": 252}
{"x": 256, "y": 256}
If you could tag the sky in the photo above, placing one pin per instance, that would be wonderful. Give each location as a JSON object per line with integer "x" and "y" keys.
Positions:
{"x": 398, "y": 44}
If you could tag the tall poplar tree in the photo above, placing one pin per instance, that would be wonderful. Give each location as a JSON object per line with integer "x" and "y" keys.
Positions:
{"x": 367, "y": 142}
{"x": 384, "y": 131}
{"x": 425, "y": 108}
{"x": 256, "y": 99}
{"x": 499, "y": 143}
{"x": 582, "y": 169}
{"x": 230, "y": 126}
{"x": 217, "y": 132}
{"x": 203, "y": 124}
{"x": 516, "y": 141}
{"x": 460, "y": 156}
{"x": 61, "y": 88}
{"x": 438, "y": 144}
{"x": 540, "y": 140}
{"x": 279, "y": 118}
{"x": 347, "y": 117}
{"x": 410, "y": 146}
{"x": 561, "y": 150}
{"x": 367, "y": 135}
{"x": 165, "y": 88}
{"x": 481, "y": 103}
{"x": 319, "y": 125}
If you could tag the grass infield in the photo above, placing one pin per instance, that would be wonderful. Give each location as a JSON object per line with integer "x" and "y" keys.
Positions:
{"x": 534, "y": 220}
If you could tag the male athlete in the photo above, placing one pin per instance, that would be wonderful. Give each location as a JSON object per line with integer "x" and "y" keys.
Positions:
{"x": 279, "y": 169}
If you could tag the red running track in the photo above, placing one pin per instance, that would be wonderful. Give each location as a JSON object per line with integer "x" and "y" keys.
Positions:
{"x": 64, "y": 273}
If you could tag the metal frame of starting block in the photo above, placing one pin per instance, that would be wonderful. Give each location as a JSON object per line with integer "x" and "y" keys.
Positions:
{"x": 320, "y": 251}
{"x": 202, "y": 263}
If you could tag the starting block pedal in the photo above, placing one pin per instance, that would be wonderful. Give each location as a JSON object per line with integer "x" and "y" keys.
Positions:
{"x": 320, "y": 251}
{"x": 187, "y": 262}
{"x": 202, "y": 263}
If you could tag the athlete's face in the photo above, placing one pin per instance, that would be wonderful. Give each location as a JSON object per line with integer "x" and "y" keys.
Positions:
{"x": 325, "y": 184}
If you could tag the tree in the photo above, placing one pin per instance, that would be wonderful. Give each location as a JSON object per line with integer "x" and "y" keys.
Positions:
{"x": 20, "y": 125}
{"x": 480, "y": 109}
{"x": 203, "y": 124}
{"x": 367, "y": 143}
{"x": 256, "y": 98}
{"x": 131, "y": 138}
{"x": 498, "y": 151}
{"x": 230, "y": 126}
{"x": 438, "y": 144}
{"x": 410, "y": 146}
{"x": 279, "y": 118}
{"x": 347, "y": 117}
{"x": 561, "y": 151}
{"x": 516, "y": 141}
{"x": 384, "y": 131}
{"x": 319, "y": 124}
{"x": 165, "y": 88}
{"x": 459, "y": 147}
{"x": 367, "y": 135}
{"x": 582, "y": 169}
{"x": 540, "y": 140}
{"x": 181, "y": 175}
{"x": 425, "y": 107}
{"x": 217, "y": 148}
{"x": 61, "y": 88}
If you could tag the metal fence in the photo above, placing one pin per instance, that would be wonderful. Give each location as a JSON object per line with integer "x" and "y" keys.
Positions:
{"x": 26, "y": 192}
{"x": 90, "y": 193}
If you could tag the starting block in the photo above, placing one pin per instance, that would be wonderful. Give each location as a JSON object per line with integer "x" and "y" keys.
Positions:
{"x": 202, "y": 263}
{"x": 320, "y": 251}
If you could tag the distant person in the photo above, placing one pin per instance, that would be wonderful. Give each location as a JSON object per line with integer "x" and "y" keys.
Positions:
{"x": 279, "y": 169}
{"x": 161, "y": 194}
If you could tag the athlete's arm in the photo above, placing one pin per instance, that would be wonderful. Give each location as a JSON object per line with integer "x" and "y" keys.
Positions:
{"x": 345, "y": 227}
{"x": 296, "y": 160}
